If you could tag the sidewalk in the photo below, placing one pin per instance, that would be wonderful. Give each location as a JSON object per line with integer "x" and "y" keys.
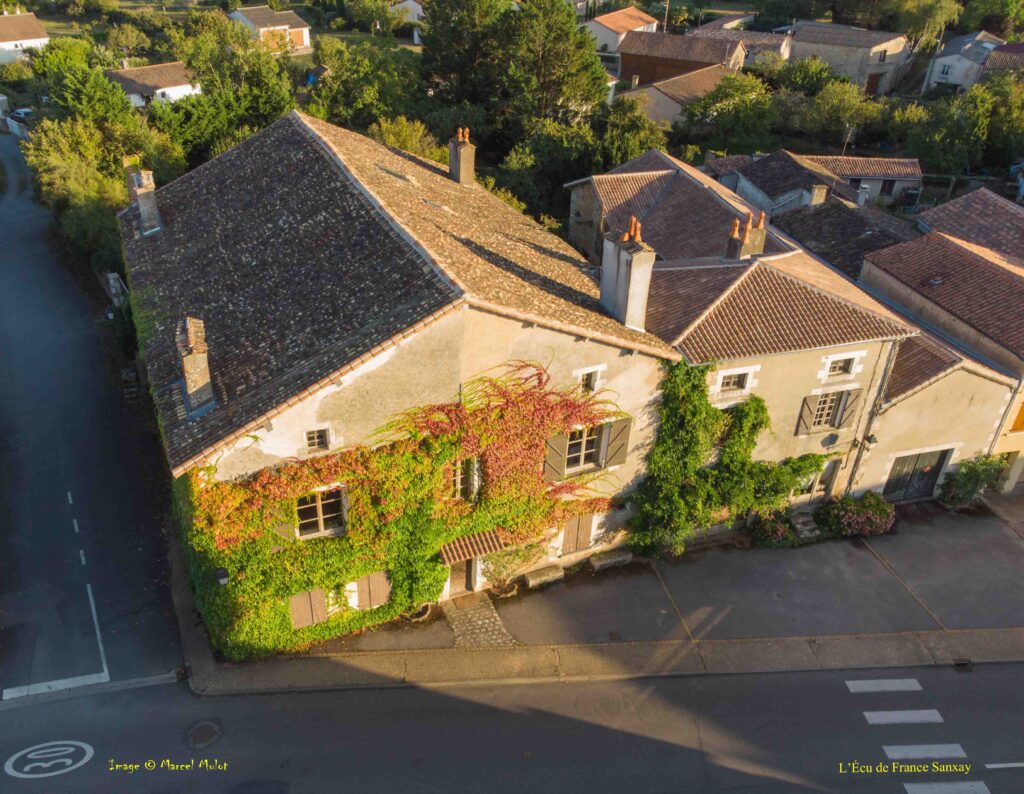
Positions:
{"x": 942, "y": 590}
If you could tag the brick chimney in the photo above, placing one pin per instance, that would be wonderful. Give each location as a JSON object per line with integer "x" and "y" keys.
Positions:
{"x": 748, "y": 240}
{"x": 462, "y": 158}
{"x": 626, "y": 267}
{"x": 190, "y": 337}
{"x": 142, "y": 192}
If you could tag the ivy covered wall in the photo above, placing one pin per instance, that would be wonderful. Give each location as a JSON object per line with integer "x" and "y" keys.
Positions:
{"x": 400, "y": 510}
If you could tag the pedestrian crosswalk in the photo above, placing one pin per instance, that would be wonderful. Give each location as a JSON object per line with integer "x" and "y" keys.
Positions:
{"x": 910, "y": 753}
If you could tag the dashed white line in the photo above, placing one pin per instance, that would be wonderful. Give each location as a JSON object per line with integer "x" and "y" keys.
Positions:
{"x": 70, "y": 502}
{"x": 884, "y": 685}
{"x": 971, "y": 787}
{"x": 1016, "y": 765}
{"x": 911, "y": 717}
{"x": 81, "y": 555}
{"x": 75, "y": 522}
{"x": 909, "y": 752}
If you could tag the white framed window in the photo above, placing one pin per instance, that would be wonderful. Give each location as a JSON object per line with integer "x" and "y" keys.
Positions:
{"x": 838, "y": 367}
{"x": 733, "y": 384}
{"x": 322, "y": 513}
{"x": 466, "y": 479}
{"x": 317, "y": 439}
{"x": 589, "y": 378}
{"x": 584, "y": 448}
{"x": 944, "y": 71}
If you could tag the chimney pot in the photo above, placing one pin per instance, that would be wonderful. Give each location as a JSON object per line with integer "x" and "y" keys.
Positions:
{"x": 626, "y": 268}
{"x": 195, "y": 365}
{"x": 462, "y": 158}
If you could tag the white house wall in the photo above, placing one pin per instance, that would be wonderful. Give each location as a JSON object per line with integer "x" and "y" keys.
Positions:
{"x": 13, "y": 50}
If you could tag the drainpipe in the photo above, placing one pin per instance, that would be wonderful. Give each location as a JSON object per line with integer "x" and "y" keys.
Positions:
{"x": 872, "y": 414}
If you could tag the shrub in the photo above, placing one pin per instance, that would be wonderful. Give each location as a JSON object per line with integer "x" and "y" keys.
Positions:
{"x": 773, "y": 530}
{"x": 849, "y": 517}
{"x": 965, "y": 486}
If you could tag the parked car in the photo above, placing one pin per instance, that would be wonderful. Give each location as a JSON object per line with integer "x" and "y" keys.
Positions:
{"x": 23, "y": 115}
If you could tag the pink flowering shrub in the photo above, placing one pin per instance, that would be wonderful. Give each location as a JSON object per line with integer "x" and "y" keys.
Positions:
{"x": 869, "y": 515}
{"x": 772, "y": 530}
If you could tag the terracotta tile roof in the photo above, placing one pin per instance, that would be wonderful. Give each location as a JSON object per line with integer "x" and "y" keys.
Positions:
{"x": 755, "y": 41}
{"x": 981, "y": 291}
{"x": 869, "y": 167}
{"x": 761, "y": 311}
{"x": 681, "y": 294}
{"x": 842, "y": 233}
{"x": 147, "y": 80}
{"x": 471, "y": 546}
{"x": 266, "y": 17}
{"x": 625, "y": 19}
{"x": 1008, "y": 56}
{"x": 677, "y": 48}
{"x": 727, "y": 164}
{"x": 685, "y": 213}
{"x": 21, "y": 27}
{"x": 690, "y": 87}
{"x": 782, "y": 172}
{"x": 308, "y": 249}
{"x": 919, "y": 360}
{"x": 980, "y": 217}
{"x": 841, "y": 35}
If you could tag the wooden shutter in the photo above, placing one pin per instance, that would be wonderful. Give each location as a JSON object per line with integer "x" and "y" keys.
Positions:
{"x": 308, "y": 608}
{"x": 618, "y": 441}
{"x": 380, "y": 589}
{"x": 363, "y": 592}
{"x": 576, "y": 535}
{"x": 554, "y": 457}
{"x": 850, "y": 407}
{"x": 803, "y": 425}
{"x": 1018, "y": 423}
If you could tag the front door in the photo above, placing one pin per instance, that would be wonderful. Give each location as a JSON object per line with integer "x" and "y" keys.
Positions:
{"x": 460, "y": 580}
{"x": 915, "y": 476}
{"x": 872, "y": 87}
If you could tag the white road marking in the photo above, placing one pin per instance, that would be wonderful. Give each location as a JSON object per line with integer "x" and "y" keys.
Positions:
{"x": 63, "y": 756}
{"x": 912, "y": 717}
{"x": 69, "y": 498}
{"x": 908, "y": 752}
{"x": 971, "y": 787}
{"x": 884, "y": 685}
{"x": 99, "y": 640}
{"x": 81, "y": 555}
{"x": 75, "y": 522}
{"x": 1017, "y": 765}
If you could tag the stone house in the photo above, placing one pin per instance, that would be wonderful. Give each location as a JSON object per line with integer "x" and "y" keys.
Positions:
{"x": 649, "y": 57}
{"x": 279, "y": 30}
{"x": 162, "y": 82}
{"x": 873, "y": 59}
{"x": 665, "y": 99}
{"x": 310, "y": 285}
{"x": 877, "y": 180}
{"x": 963, "y": 280}
{"x": 610, "y": 29}
{"x": 20, "y": 32}
{"x": 961, "y": 60}
{"x": 755, "y": 42}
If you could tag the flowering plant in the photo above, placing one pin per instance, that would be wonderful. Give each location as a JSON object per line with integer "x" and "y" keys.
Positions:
{"x": 849, "y": 517}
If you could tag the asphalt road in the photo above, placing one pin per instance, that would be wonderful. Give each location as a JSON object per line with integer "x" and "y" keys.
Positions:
{"x": 83, "y": 577}
{"x": 767, "y": 734}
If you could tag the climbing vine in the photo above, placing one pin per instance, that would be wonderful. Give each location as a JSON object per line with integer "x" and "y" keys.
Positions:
{"x": 401, "y": 511}
{"x": 700, "y": 470}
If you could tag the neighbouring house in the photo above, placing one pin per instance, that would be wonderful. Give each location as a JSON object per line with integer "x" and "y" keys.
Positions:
{"x": 784, "y": 181}
{"x": 413, "y": 11}
{"x": 161, "y": 82}
{"x": 755, "y": 42}
{"x": 1007, "y": 57}
{"x": 873, "y": 59}
{"x": 610, "y": 29}
{"x": 311, "y": 285}
{"x": 279, "y": 30}
{"x": 665, "y": 99}
{"x": 843, "y": 233}
{"x": 961, "y": 60}
{"x": 963, "y": 280}
{"x": 650, "y": 57}
{"x": 876, "y": 180}
{"x": 726, "y": 22}
{"x": 724, "y": 168}
{"x": 20, "y": 32}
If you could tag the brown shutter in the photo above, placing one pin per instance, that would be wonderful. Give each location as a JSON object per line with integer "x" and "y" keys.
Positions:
{"x": 302, "y": 610}
{"x": 618, "y": 441}
{"x": 850, "y": 407}
{"x": 803, "y": 425}
{"x": 570, "y": 535}
{"x": 363, "y": 592}
{"x": 380, "y": 589}
{"x": 1018, "y": 423}
{"x": 318, "y": 605}
{"x": 554, "y": 457}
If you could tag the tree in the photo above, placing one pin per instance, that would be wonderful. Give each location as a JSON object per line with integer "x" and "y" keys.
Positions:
{"x": 409, "y": 136}
{"x": 364, "y": 82}
{"x": 60, "y": 56}
{"x": 127, "y": 38}
{"x": 1006, "y": 127}
{"x": 954, "y": 138}
{"x": 624, "y": 131}
{"x": 923, "y": 21}
{"x": 88, "y": 94}
{"x": 737, "y": 115}
{"x": 1000, "y": 17}
{"x": 807, "y": 76}
{"x": 461, "y": 54}
{"x": 374, "y": 16}
{"x": 839, "y": 109}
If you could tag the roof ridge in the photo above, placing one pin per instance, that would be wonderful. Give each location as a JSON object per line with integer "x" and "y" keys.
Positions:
{"x": 713, "y": 305}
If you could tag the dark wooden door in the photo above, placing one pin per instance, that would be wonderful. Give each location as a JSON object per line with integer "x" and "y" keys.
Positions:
{"x": 461, "y": 578}
{"x": 915, "y": 476}
{"x": 873, "y": 82}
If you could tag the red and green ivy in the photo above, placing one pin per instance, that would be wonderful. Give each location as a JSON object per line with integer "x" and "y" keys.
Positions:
{"x": 400, "y": 509}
